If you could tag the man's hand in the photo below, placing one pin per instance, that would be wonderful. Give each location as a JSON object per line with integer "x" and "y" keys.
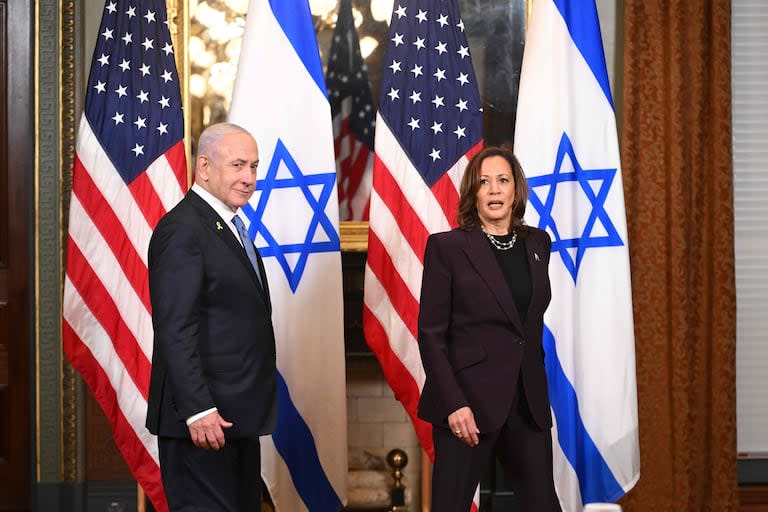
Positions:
{"x": 462, "y": 424}
{"x": 207, "y": 431}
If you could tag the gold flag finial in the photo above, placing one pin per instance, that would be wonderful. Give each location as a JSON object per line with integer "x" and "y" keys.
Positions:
{"x": 528, "y": 8}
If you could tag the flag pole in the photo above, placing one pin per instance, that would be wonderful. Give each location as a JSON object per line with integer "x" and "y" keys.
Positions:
{"x": 141, "y": 502}
{"x": 426, "y": 482}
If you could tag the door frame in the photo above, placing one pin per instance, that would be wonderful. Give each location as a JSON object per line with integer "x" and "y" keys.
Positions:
{"x": 19, "y": 147}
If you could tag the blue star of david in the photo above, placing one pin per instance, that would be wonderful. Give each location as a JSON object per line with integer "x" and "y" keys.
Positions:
{"x": 319, "y": 219}
{"x": 597, "y": 200}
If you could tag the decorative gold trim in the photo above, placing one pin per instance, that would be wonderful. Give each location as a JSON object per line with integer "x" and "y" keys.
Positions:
{"x": 36, "y": 187}
{"x": 178, "y": 24}
{"x": 528, "y": 9}
{"x": 354, "y": 236}
{"x": 69, "y": 446}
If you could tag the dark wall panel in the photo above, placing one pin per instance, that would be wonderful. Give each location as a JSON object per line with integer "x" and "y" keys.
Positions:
{"x": 16, "y": 160}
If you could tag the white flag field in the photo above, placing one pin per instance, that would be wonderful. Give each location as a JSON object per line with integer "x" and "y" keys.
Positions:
{"x": 280, "y": 98}
{"x": 566, "y": 140}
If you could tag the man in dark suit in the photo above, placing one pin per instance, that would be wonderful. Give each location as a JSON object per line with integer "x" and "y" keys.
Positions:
{"x": 213, "y": 385}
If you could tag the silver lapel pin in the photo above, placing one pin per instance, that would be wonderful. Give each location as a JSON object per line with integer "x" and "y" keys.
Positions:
{"x": 536, "y": 256}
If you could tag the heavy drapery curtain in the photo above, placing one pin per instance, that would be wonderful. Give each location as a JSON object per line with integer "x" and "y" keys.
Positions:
{"x": 677, "y": 169}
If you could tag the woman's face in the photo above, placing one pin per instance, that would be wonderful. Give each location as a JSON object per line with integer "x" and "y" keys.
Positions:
{"x": 496, "y": 194}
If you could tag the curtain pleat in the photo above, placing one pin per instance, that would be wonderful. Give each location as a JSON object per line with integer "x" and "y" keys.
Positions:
{"x": 677, "y": 171}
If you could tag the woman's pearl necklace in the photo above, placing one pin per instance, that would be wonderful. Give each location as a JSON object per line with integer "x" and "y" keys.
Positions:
{"x": 502, "y": 246}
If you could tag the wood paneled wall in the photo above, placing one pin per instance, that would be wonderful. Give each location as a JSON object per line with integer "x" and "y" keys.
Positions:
{"x": 16, "y": 157}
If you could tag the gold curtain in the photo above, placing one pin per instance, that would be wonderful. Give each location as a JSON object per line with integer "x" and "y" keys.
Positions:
{"x": 676, "y": 156}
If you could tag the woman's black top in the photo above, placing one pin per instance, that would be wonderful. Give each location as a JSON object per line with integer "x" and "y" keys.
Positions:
{"x": 514, "y": 266}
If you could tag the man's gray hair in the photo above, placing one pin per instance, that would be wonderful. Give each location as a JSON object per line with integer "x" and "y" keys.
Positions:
{"x": 209, "y": 139}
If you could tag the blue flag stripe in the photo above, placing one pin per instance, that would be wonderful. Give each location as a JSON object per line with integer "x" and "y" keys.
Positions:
{"x": 297, "y": 24}
{"x": 584, "y": 27}
{"x": 596, "y": 481}
{"x": 295, "y": 444}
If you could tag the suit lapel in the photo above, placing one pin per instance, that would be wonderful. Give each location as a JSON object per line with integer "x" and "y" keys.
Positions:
{"x": 536, "y": 265}
{"x": 221, "y": 229}
{"x": 265, "y": 288}
{"x": 484, "y": 261}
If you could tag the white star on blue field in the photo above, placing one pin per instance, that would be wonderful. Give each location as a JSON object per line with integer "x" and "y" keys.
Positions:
{"x": 319, "y": 219}
{"x": 544, "y": 205}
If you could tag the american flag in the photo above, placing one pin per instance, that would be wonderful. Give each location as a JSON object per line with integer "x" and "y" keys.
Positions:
{"x": 353, "y": 117}
{"x": 429, "y": 124}
{"x": 129, "y": 170}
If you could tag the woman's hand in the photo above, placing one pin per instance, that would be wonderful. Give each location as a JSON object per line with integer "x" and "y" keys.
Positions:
{"x": 462, "y": 424}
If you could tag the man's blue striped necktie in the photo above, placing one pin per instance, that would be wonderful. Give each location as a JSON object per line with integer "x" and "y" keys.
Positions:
{"x": 250, "y": 250}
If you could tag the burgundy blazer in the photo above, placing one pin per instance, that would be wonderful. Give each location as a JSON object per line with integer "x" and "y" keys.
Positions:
{"x": 473, "y": 344}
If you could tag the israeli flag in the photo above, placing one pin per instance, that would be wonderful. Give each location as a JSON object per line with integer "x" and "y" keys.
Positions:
{"x": 280, "y": 97}
{"x": 565, "y": 138}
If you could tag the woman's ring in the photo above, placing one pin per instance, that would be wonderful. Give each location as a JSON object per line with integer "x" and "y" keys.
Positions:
{"x": 458, "y": 432}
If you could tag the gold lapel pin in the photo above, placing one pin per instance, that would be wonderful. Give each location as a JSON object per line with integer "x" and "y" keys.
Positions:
{"x": 220, "y": 227}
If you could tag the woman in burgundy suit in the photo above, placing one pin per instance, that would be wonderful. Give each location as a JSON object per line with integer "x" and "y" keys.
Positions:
{"x": 483, "y": 297}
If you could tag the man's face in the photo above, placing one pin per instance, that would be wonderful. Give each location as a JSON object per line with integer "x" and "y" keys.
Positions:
{"x": 229, "y": 172}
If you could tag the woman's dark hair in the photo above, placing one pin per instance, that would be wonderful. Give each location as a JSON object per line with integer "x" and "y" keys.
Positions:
{"x": 470, "y": 184}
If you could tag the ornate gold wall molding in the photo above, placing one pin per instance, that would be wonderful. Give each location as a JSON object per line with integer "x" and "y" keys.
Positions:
{"x": 49, "y": 19}
{"x": 69, "y": 388}
{"x": 178, "y": 23}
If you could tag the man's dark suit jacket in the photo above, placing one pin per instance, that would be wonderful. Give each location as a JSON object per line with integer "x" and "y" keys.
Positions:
{"x": 473, "y": 344}
{"x": 214, "y": 342}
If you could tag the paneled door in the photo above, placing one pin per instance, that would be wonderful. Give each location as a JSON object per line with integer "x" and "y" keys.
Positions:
{"x": 16, "y": 175}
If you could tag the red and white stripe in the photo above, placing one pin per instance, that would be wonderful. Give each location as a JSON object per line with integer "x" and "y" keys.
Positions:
{"x": 354, "y": 165}
{"x": 404, "y": 212}
{"x": 107, "y": 327}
